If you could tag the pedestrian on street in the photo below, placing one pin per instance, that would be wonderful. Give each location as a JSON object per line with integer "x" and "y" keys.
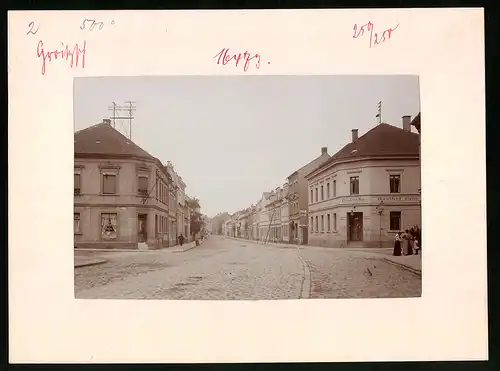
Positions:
{"x": 181, "y": 239}
{"x": 397, "y": 245}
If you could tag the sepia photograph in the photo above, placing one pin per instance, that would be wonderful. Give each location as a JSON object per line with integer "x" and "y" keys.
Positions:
{"x": 247, "y": 187}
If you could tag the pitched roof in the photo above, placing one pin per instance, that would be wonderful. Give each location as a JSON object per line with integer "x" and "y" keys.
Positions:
{"x": 104, "y": 139}
{"x": 416, "y": 122}
{"x": 382, "y": 140}
{"x": 304, "y": 166}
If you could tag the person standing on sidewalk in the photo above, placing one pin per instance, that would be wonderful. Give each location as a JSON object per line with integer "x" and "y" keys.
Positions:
{"x": 181, "y": 239}
{"x": 397, "y": 246}
{"x": 407, "y": 249}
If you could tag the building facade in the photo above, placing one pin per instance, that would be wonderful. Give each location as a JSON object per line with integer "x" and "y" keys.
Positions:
{"x": 121, "y": 192}
{"x": 367, "y": 191}
{"x": 298, "y": 199}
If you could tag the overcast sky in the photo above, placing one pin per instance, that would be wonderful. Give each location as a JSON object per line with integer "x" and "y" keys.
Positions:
{"x": 233, "y": 137}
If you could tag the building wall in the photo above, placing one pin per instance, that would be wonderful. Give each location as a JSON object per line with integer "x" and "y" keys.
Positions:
{"x": 298, "y": 188}
{"x": 374, "y": 193}
{"x": 126, "y": 203}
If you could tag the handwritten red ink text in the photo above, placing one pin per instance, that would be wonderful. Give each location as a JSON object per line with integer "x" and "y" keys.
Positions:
{"x": 224, "y": 57}
{"x": 375, "y": 38}
{"x": 65, "y": 53}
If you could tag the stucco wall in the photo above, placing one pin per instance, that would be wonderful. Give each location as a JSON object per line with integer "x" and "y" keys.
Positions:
{"x": 373, "y": 188}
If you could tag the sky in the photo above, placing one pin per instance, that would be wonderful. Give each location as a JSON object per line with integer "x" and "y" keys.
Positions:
{"x": 231, "y": 138}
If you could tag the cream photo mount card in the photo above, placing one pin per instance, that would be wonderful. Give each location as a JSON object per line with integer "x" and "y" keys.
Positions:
{"x": 61, "y": 62}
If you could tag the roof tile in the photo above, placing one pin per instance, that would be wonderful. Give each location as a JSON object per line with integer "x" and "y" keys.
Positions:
{"x": 104, "y": 139}
{"x": 382, "y": 140}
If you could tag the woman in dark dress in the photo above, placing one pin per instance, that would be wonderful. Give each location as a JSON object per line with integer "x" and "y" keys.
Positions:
{"x": 407, "y": 249}
{"x": 397, "y": 246}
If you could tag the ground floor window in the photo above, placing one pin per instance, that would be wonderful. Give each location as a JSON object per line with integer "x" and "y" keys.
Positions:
{"x": 76, "y": 223}
{"x": 108, "y": 226}
{"x": 395, "y": 220}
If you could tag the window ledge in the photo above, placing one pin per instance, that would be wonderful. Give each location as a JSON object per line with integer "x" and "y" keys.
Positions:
{"x": 78, "y": 233}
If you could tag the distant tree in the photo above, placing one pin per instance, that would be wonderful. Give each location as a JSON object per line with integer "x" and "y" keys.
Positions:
{"x": 196, "y": 223}
{"x": 194, "y": 203}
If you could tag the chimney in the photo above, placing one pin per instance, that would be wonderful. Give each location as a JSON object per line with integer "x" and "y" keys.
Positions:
{"x": 407, "y": 123}
{"x": 354, "y": 135}
{"x": 324, "y": 150}
{"x": 106, "y": 121}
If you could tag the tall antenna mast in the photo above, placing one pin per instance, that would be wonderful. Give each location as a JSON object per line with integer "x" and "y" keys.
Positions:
{"x": 113, "y": 108}
{"x": 131, "y": 109}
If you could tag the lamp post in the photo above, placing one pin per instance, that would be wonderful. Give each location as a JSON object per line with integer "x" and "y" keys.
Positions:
{"x": 380, "y": 210}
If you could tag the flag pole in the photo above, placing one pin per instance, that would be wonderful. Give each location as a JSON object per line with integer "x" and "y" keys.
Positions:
{"x": 379, "y": 112}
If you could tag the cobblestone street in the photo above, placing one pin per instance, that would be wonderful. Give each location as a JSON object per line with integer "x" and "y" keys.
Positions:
{"x": 223, "y": 268}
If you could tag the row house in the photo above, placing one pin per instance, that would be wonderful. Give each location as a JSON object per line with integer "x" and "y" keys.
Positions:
{"x": 367, "y": 191}
{"x": 263, "y": 216}
{"x": 218, "y": 222}
{"x": 181, "y": 217}
{"x": 298, "y": 199}
{"x": 276, "y": 214}
{"x": 122, "y": 194}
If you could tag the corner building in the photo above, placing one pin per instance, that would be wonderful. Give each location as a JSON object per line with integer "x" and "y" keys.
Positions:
{"x": 367, "y": 191}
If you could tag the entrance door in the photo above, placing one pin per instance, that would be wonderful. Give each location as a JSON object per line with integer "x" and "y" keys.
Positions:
{"x": 355, "y": 226}
{"x": 142, "y": 227}
{"x": 305, "y": 236}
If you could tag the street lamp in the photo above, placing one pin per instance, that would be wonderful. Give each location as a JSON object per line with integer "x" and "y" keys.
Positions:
{"x": 380, "y": 210}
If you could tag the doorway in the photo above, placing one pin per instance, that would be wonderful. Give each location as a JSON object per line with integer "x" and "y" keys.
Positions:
{"x": 355, "y": 227}
{"x": 142, "y": 227}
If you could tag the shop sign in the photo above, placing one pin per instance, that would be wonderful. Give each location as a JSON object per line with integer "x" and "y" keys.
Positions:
{"x": 353, "y": 199}
{"x": 398, "y": 198}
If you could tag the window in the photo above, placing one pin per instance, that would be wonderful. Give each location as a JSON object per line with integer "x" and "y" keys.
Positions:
{"x": 334, "y": 188}
{"x": 335, "y": 222}
{"x": 108, "y": 226}
{"x": 395, "y": 220}
{"x": 322, "y": 194}
{"x": 109, "y": 184}
{"x": 316, "y": 224}
{"x": 143, "y": 186}
{"x": 354, "y": 185}
{"x": 395, "y": 183}
{"x": 328, "y": 190}
{"x": 312, "y": 199}
{"x": 328, "y": 221}
{"x": 76, "y": 223}
{"x": 77, "y": 184}
{"x": 322, "y": 223}
{"x": 312, "y": 224}
{"x": 316, "y": 198}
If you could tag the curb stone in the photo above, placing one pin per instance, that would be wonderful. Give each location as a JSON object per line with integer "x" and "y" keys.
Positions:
{"x": 88, "y": 264}
{"x": 403, "y": 266}
{"x": 189, "y": 248}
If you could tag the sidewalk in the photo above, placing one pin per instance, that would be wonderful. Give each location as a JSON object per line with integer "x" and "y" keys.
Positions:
{"x": 183, "y": 248}
{"x": 412, "y": 263}
{"x": 85, "y": 261}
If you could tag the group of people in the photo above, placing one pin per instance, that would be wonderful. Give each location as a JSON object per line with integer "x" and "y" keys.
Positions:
{"x": 408, "y": 242}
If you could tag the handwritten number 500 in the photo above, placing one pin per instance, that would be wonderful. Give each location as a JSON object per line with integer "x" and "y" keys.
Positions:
{"x": 31, "y": 30}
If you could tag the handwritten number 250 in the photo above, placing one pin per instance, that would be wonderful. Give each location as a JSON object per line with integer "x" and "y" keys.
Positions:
{"x": 31, "y": 30}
